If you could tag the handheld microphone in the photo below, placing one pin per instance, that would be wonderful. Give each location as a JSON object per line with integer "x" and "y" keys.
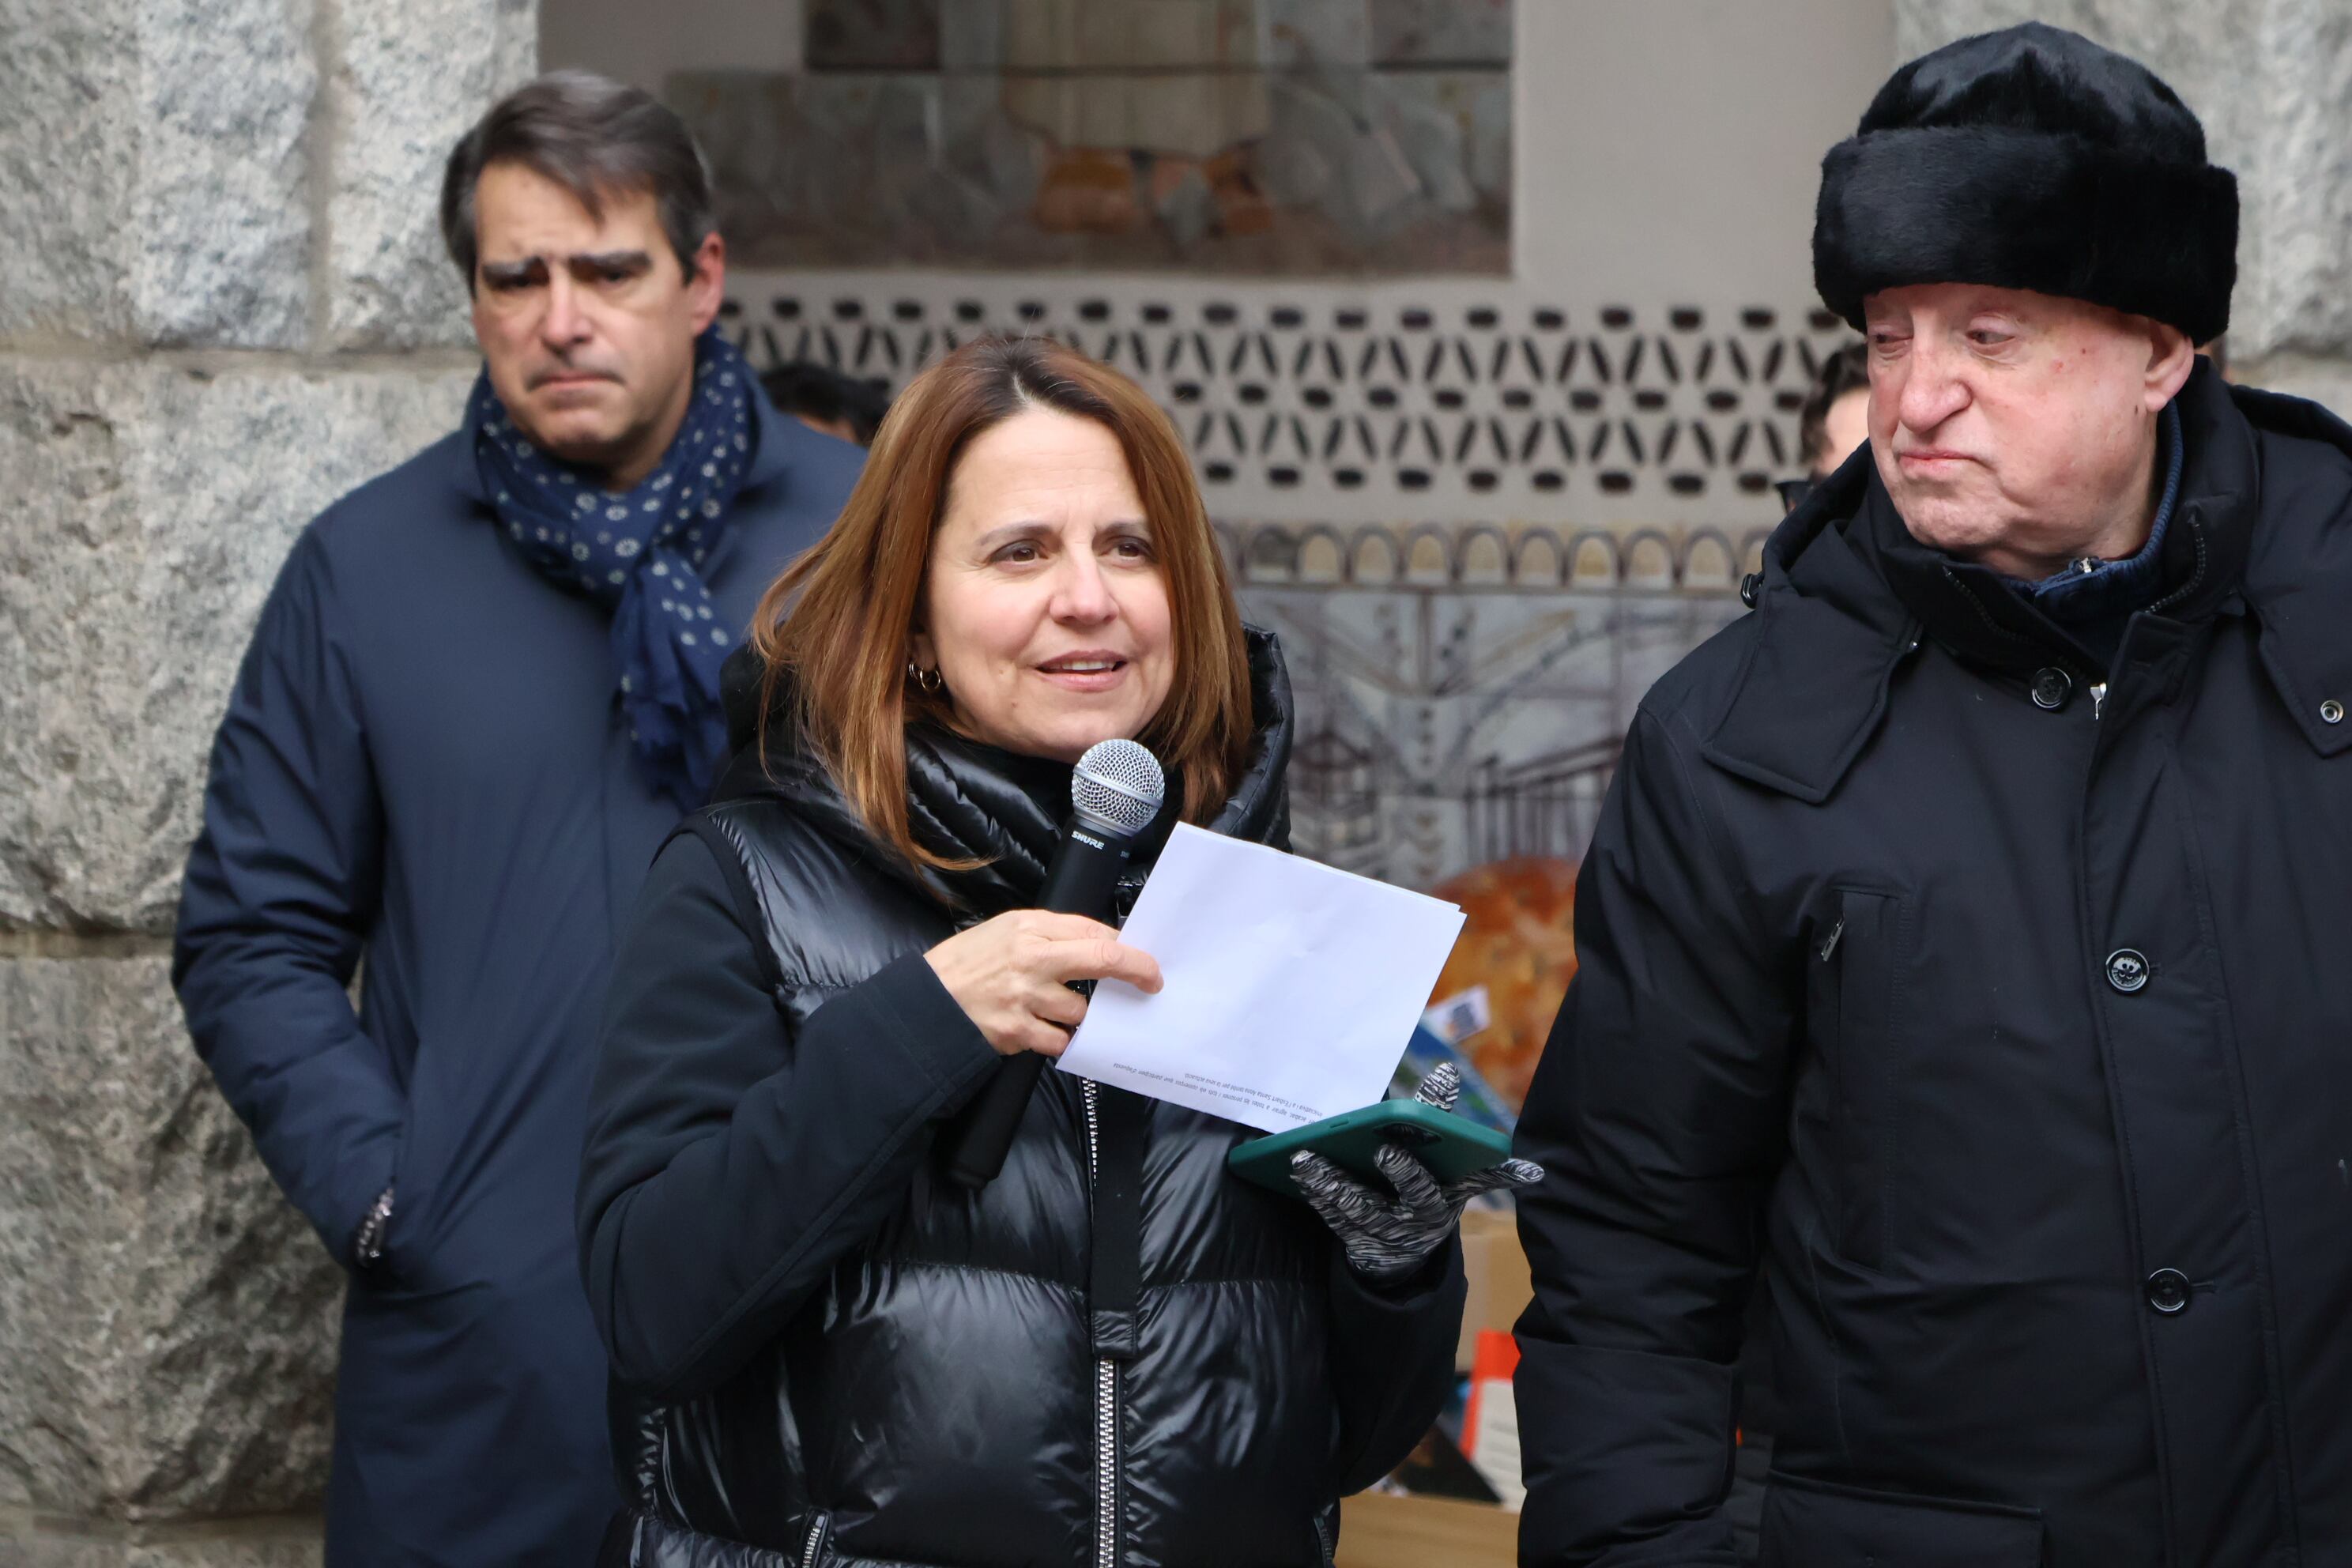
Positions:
{"x": 1115, "y": 792}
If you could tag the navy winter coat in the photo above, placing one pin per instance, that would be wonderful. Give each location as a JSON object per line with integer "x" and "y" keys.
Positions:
{"x": 1995, "y": 1001}
{"x": 422, "y": 764}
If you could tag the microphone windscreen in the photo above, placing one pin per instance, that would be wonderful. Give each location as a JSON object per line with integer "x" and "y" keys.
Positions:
{"x": 1119, "y": 785}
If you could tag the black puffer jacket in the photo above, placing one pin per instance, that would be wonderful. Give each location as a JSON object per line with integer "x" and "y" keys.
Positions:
{"x": 827, "y": 1355}
{"x": 1994, "y": 999}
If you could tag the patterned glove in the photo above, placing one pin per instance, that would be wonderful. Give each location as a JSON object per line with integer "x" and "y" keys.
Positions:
{"x": 1388, "y": 1239}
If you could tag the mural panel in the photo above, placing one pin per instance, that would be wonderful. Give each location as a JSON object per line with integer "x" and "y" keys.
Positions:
{"x": 1261, "y": 137}
{"x": 1460, "y": 701}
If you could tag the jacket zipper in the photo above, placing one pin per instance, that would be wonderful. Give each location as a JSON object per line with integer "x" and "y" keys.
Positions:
{"x": 1979, "y": 607}
{"x": 1323, "y": 1539}
{"x": 1106, "y": 1394}
{"x": 815, "y": 1540}
{"x": 2098, "y": 701}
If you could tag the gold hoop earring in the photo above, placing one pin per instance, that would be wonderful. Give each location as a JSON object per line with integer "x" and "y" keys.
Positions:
{"x": 925, "y": 681}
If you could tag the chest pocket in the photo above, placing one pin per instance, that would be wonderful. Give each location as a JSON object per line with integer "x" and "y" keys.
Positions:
{"x": 1855, "y": 993}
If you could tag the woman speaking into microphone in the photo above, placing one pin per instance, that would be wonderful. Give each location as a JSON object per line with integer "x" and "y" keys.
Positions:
{"x": 1112, "y": 1356}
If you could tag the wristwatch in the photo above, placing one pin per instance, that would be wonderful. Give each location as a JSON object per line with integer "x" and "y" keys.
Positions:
{"x": 367, "y": 1246}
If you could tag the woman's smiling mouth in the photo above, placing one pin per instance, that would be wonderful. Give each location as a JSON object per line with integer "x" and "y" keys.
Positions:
{"x": 1090, "y": 670}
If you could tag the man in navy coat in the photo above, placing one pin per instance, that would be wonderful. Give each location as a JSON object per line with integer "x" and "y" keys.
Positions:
{"x": 479, "y": 695}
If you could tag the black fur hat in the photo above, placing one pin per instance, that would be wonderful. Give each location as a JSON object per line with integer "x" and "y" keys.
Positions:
{"x": 2031, "y": 158}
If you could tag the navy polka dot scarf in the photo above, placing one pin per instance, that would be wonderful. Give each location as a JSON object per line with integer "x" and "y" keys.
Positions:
{"x": 641, "y": 556}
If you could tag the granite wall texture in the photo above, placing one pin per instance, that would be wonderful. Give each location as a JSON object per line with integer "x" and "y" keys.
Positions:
{"x": 227, "y": 304}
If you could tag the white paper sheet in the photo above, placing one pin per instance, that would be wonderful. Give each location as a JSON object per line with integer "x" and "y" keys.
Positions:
{"x": 1291, "y": 988}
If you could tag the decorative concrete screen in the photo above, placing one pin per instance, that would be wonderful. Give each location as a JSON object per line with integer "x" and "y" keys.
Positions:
{"x": 1441, "y": 399}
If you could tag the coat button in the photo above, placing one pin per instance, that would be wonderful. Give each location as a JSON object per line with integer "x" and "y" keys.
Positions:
{"x": 2332, "y": 712}
{"x": 2051, "y": 687}
{"x": 2127, "y": 970}
{"x": 2168, "y": 1291}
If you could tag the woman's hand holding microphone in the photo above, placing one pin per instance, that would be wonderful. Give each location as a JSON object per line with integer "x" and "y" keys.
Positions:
{"x": 1011, "y": 975}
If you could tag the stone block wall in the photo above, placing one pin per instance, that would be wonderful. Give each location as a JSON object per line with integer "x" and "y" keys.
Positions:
{"x": 2271, "y": 80}
{"x": 227, "y": 304}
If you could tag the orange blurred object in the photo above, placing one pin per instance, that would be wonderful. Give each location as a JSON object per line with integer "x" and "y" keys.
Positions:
{"x": 1519, "y": 943}
{"x": 1088, "y": 190}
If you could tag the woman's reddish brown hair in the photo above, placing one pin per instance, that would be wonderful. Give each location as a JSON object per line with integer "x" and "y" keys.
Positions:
{"x": 833, "y": 630}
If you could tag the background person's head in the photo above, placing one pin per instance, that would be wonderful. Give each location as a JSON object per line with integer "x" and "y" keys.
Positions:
{"x": 580, "y": 213}
{"x": 1836, "y": 417}
{"x": 1026, "y": 562}
{"x": 2026, "y": 230}
{"x": 827, "y": 399}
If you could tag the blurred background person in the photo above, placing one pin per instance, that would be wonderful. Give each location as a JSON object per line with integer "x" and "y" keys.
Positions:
{"x": 840, "y": 405}
{"x": 1116, "y": 1353}
{"x": 1836, "y": 417}
{"x": 1834, "y": 423}
{"x": 482, "y": 691}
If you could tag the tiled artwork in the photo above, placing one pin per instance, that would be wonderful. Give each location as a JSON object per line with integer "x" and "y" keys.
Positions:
{"x": 1263, "y": 137}
{"x": 1462, "y": 699}
{"x": 1462, "y": 694}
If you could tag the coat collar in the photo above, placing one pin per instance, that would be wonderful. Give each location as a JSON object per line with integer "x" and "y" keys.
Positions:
{"x": 2298, "y": 571}
{"x": 1828, "y": 637}
{"x": 1848, "y": 594}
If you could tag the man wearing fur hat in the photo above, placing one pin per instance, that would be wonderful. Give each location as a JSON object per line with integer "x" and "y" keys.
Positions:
{"x": 1961, "y": 944}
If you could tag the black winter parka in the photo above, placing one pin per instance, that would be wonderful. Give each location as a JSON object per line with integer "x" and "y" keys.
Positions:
{"x": 1997, "y": 1003}
{"x": 827, "y": 1355}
